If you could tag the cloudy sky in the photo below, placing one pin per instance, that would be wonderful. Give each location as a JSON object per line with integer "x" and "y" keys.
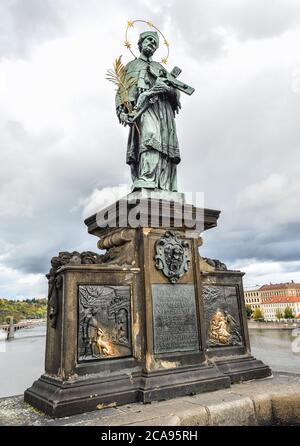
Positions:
{"x": 62, "y": 151}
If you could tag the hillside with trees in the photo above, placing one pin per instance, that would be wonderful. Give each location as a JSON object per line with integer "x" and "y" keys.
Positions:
{"x": 22, "y": 309}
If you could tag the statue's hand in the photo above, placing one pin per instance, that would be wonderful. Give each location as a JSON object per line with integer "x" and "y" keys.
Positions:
{"x": 161, "y": 87}
{"x": 142, "y": 98}
{"x": 124, "y": 119}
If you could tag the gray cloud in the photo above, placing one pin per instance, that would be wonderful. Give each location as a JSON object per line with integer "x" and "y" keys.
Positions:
{"x": 24, "y": 23}
{"x": 198, "y": 23}
{"x": 234, "y": 133}
{"x": 40, "y": 196}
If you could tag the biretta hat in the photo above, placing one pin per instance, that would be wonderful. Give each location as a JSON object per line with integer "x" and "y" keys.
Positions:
{"x": 154, "y": 34}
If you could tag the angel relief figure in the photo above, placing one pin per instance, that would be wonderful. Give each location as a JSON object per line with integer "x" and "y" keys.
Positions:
{"x": 219, "y": 329}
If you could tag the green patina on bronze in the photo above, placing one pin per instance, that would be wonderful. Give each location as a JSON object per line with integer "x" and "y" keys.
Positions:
{"x": 154, "y": 99}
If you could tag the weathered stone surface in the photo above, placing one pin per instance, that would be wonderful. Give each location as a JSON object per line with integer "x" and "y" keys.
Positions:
{"x": 286, "y": 408}
{"x": 263, "y": 408}
{"x": 239, "y": 412}
{"x": 170, "y": 420}
{"x": 194, "y": 416}
{"x": 260, "y": 402}
{"x": 179, "y": 215}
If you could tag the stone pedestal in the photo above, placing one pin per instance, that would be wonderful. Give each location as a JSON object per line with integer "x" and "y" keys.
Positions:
{"x": 138, "y": 322}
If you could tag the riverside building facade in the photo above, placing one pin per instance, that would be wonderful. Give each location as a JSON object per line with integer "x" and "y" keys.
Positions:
{"x": 273, "y": 298}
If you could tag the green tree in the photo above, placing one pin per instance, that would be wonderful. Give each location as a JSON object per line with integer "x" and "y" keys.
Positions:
{"x": 249, "y": 311}
{"x": 26, "y": 309}
{"x": 288, "y": 313}
{"x": 279, "y": 314}
{"x": 258, "y": 315}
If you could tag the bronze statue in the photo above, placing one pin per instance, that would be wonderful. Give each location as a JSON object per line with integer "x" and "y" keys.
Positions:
{"x": 147, "y": 100}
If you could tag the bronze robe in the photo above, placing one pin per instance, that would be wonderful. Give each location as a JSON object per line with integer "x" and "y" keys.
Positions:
{"x": 152, "y": 150}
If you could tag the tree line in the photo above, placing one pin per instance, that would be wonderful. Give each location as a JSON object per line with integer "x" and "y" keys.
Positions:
{"x": 257, "y": 314}
{"x": 22, "y": 309}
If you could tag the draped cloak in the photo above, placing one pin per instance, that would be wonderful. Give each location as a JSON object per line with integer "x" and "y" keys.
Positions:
{"x": 152, "y": 150}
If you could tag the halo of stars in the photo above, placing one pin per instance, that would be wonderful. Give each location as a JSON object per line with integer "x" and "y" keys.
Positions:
{"x": 127, "y": 44}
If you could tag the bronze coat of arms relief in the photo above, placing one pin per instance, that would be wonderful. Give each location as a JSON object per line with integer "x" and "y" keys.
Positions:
{"x": 172, "y": 256}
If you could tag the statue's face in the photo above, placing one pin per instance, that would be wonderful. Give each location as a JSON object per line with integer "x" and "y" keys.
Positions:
{"x": 149, "y": 46}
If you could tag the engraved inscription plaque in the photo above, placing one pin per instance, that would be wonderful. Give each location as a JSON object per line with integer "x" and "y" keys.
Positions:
{"x": 104, "y": 322}
{"x": 222, "y": 318}
{"x": 174, "y": 318}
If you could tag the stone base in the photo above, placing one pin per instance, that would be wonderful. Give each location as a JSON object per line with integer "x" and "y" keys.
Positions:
{"x": 160, "y": 385}
{"x": 156, "y": 194}
{"x": 59, "y": 398}
{"x": 140, "y": 322}
{"x": 243, "y": 369}
{"x": 263, "y": 402}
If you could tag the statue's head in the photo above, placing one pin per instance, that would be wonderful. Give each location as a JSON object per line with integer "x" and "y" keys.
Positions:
{"x": 94, "y": 311}
{"x": 148, "y": 43}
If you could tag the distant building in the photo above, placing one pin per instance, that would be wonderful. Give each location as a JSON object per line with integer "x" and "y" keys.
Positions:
{"x": 253, "y": 297}
{"x": 279, "y": 296}
{"x": 273, "y": 297}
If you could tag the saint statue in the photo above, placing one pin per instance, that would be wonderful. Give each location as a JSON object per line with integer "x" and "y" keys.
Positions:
{"x": 150, "y": 107}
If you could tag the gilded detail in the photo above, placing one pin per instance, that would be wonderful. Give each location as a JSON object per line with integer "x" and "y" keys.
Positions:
{"x": 219, "y": 332}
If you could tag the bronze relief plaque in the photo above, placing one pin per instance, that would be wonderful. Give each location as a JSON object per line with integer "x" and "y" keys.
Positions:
{"x": 175, "y": 327}
{"x": 104, "y": 322}
{"x": 222, "y": 318}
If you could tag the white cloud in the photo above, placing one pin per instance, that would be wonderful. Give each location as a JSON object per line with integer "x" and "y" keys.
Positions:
{"x": 260, "y": 273}
{"x": 276, "y": 197}
{"x": 15, "y": 284}
{"x": 100, "y": 199}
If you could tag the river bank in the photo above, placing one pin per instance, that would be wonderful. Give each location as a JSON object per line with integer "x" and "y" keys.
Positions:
{"x": 273, "y": 325}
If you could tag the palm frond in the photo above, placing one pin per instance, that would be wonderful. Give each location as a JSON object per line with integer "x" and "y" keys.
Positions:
{"x": 117, "y": 75}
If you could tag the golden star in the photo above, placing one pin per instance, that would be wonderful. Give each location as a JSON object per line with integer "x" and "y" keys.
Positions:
{"x": 127, "y": 44}
{"x": 164, "y": 61}
{"x": 130, "y": 24}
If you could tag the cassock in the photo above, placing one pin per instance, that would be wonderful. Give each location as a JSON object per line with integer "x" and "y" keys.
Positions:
{"x": 152, "y": 150}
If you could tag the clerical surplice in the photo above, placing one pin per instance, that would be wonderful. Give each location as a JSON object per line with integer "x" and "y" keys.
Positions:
{"x": 153, "y": 150}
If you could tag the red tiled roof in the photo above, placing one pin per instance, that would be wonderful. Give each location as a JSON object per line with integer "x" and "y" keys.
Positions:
{"x": 280, "y": 300}
{"x": 280, "y": 286}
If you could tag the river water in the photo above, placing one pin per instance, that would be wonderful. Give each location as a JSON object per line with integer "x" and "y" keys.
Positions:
{"x": 280, "y": 349}
{"x": 22, "y": 359}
